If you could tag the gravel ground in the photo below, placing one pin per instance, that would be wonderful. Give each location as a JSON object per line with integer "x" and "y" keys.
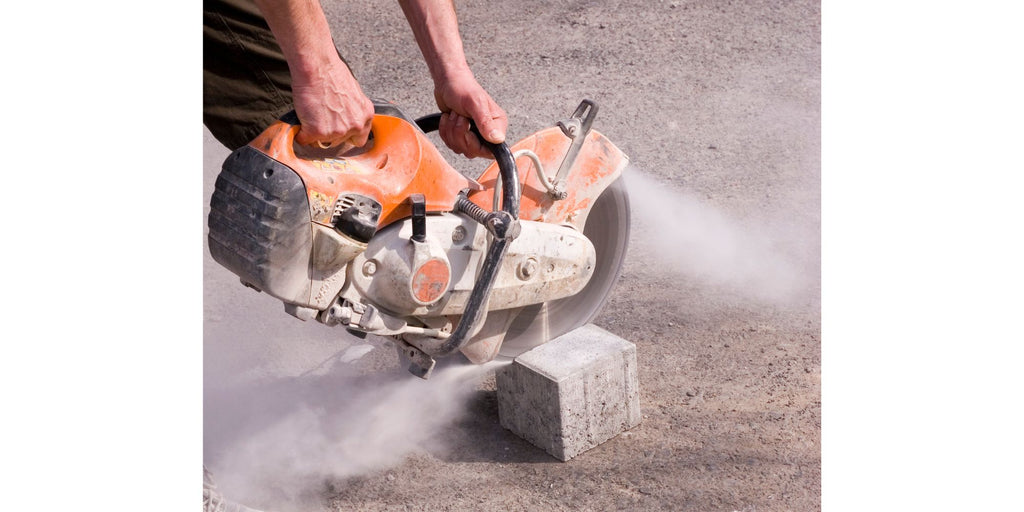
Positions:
{"x": 716, "y": 102}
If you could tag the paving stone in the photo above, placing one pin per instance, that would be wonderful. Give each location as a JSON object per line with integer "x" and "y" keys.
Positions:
{"x": 572, "y": 393}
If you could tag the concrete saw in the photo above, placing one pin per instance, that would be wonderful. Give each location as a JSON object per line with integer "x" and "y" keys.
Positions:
{"x": 389, "y": 239}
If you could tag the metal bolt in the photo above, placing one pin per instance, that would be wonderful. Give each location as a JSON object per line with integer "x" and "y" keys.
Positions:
{"x": 459, "y": 234}
{"x": 369, "y": 268}
{"x": 527, "y": 269}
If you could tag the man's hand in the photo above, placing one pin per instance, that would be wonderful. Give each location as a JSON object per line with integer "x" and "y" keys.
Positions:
{"x": 331, "y": 107}
{"x": 461, "y": 99}
{"x": 329, "y": 102}
{"x": 457, "y": 92}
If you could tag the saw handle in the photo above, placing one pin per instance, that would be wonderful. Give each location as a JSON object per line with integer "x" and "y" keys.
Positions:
{"x": 510, "y": 186}
{"x": 502, "y": 155}
{"x": 292, "y": 119}
{"x": 476, "y": 306}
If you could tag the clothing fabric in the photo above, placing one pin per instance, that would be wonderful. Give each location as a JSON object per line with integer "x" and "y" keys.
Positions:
{"x": 246, "y": 82}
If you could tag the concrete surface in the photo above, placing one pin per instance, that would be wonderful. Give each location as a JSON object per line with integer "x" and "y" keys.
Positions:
{"x": 573, "y": 393}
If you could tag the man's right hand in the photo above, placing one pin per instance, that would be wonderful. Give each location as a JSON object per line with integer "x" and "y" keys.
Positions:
{"x": 329, "y": 102}
{"x": 331, "y": 107}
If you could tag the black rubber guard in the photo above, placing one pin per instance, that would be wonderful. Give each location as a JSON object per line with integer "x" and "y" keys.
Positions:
{"x": 260, "y": 226}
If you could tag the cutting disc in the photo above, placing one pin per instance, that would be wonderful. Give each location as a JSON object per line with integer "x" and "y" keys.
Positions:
{"x": 607, "y": 227}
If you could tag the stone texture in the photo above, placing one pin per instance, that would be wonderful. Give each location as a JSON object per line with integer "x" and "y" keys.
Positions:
{"x": 572, "y": 393}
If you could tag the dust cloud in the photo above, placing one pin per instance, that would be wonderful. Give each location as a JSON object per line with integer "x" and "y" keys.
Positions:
{"x": 276, "y": 445}
{"x": 773, "y": 259}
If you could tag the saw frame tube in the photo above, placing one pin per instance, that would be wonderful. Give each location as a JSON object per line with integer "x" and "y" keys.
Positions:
{"x": 476, "y": 306}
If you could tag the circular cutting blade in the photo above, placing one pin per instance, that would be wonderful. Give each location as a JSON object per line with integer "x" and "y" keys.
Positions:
{"x": 607, "y": 227}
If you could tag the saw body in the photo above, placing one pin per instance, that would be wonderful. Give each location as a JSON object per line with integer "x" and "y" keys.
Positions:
{"x": 391, "y": 240}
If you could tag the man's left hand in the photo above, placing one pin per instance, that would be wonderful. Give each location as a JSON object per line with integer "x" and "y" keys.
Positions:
{"x": 461, "y": 99}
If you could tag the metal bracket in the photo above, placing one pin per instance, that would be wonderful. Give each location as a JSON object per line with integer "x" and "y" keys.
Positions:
{"x": 576, "y": 128}
{"x": 419, "y": 363}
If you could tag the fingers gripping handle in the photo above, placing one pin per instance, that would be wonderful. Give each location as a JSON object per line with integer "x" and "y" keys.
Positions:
{"x": 508, "y": 172}
{"x": 286, "y": 139}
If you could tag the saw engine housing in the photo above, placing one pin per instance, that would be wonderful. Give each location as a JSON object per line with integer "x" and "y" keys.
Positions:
{"x": 391, "y": 240}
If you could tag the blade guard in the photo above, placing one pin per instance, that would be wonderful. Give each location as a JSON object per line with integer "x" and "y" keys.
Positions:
{"x": 598, "y": 164}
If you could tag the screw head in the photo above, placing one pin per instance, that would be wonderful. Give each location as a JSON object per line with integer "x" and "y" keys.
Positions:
{"x": 527, "y": 269}
{"x": 458, "y": 234}
{"x": 369, "y": 268}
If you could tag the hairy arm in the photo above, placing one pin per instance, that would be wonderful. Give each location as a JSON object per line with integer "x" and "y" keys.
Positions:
{"x": 328, "y": 100}
{"x": 459, "y": 96}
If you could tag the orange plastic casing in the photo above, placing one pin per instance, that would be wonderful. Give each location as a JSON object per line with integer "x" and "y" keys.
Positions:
{"x": 597, "y": 165}
{"x": 400, "y": 161}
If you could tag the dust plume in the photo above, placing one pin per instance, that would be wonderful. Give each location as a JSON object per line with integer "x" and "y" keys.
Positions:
{"x": 771, "y": 259}
{"x": 275, "y": 444}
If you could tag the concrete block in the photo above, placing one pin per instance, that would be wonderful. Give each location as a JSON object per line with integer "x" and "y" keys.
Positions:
{"x": 572, "y": 393}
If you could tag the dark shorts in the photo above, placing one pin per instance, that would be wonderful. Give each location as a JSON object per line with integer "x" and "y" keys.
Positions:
{"x": 246, "y": 83}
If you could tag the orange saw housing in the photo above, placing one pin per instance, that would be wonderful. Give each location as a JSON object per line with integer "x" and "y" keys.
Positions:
{"x": 398, "y": 162}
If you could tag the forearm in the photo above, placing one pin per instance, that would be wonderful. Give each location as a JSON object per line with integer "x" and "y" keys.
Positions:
{"x": 436, "y": 29}
{"x": 459, "y": 96}
{"x": 329, "y": 102}
{"x": 301, "y": 30}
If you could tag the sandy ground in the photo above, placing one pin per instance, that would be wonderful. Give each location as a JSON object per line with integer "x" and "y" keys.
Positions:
{"x": 718, "y": 102}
